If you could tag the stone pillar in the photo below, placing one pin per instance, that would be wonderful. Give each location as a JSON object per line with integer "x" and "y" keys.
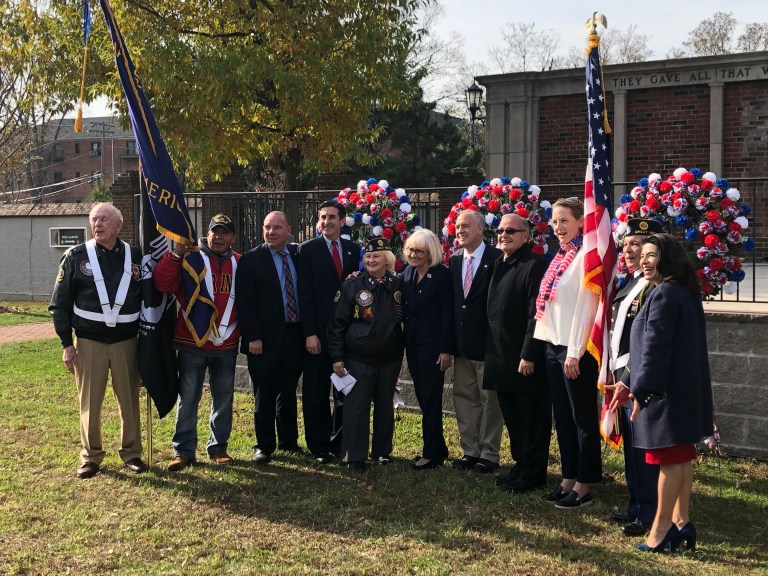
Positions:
{"x": 495, "y": 132}
{"x": 716, "y": 97}
{"x": 619, "y": 157}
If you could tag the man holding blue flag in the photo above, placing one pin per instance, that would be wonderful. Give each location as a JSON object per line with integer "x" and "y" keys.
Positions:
{"x": 218, "y": 355}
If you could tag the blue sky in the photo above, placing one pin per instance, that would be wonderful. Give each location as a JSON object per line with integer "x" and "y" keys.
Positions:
{"x": 666, "y": 23}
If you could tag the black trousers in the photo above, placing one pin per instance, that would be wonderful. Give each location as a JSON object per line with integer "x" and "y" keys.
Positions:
{"x": 528, "y": 417}
{"x": 577, "y": 422}
{"x": 274, "y": 388}
{"x": 642, "y": 478}
{"x": 428, "y": 384}
{"x": 374, "y": 384}
{"x": 315, "y": 399}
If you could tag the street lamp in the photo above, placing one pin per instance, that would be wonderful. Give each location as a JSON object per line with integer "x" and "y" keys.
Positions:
{"x": 474, "y": 96}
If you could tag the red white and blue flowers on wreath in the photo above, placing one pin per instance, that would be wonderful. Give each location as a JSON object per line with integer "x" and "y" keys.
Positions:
{"x": 704, "y": 211}
{"x": 376, "y": 209}
{"x": 493, "y": 200}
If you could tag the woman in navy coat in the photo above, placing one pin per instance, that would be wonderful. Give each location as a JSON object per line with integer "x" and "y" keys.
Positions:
{"x": 428, "y": 324}
{"x": 670, "y": 384}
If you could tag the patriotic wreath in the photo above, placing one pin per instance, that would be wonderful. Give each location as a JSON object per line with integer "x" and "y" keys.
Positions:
{"x": 376, "y": 209}
{"x": 704, "y": 211}
{"x": 493, "y": 200}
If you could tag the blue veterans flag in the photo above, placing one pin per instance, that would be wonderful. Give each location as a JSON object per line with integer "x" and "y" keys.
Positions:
{"x": 162, "y": 188}
{"x": 157, "y": 359}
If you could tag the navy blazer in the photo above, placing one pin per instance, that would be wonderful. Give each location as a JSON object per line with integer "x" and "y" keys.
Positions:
{"x": 320, "y": 282}
{"x": 470, "y": 314}
{"x": 259, "y": 299}
{"x": 428, "y": 309}
{"x": 669, "y": 358}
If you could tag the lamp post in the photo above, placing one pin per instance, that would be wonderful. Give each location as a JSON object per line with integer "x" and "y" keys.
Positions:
{"x": 474, "y": 96}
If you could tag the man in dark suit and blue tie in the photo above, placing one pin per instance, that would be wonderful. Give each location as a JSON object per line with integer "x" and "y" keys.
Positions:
{"x": 270, "y": 322}
{"x": 477, "y": 411}
{"x": 325, "y": 262}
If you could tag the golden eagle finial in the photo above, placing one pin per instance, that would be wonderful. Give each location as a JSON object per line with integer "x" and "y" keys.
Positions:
{"x": 591, "y": 24}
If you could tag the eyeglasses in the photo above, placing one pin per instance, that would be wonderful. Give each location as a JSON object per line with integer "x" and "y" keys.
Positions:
{"x": 508, "y": 231}
{"x": 415, "y": 251}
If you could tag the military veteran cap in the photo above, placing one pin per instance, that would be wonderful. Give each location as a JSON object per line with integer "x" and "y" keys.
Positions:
{"x": 643, "y": 227}
{"x": 376, "y": 245}
{"x": 222, "y": 220}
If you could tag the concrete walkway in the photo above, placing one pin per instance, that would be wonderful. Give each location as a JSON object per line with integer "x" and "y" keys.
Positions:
{"x": 21, "y": 332}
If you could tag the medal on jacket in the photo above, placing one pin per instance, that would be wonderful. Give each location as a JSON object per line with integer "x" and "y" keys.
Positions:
{"x": 364, "y": 298}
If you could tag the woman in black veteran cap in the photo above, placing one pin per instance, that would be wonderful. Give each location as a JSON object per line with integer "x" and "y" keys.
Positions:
{"x": 366, "y": 339}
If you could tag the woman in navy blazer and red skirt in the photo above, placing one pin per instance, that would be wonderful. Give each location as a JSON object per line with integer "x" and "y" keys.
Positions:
{"x": 671, "y": 385}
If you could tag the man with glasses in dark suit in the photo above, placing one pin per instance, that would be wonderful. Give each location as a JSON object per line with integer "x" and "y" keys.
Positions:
{"x": 514, "y": 359}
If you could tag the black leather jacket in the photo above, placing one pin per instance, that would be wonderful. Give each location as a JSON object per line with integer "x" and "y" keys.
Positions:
{"x": 75, "y": 286}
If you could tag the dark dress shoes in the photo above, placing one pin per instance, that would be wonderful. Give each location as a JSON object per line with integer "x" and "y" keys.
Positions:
{"x": 358, "y": 467}
{"x": 261, "y": 457}
{"x": 519, "y": 486}
{"x": 466, "y": 463}
{"x": 291, "y": 449}
{"x": 508, "y": 477}
{"x": 323, "y": 457}
{"x": 136, "y": 465}
{"x": 428, "y": 465}
{"x": 485, "y": 466}
{"x": 572, "y": 501}
{"x": 622, "y": 517}
{"x": 556, "y": 495}
{"x": 87, "y": 470}
{"x": 634, "y": 529}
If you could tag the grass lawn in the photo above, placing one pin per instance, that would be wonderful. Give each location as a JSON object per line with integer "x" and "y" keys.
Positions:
{"x": 23, "y": 312}
{"x": 293, "y": 517}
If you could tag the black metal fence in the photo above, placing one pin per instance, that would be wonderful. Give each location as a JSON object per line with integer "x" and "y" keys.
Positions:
{"x": 248, "y": 210}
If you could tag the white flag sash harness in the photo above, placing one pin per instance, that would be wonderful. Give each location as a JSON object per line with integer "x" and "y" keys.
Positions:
{"x": 225, "y": 329}
{"x": 110, "y": 314}
{"x": 623, "y": 360}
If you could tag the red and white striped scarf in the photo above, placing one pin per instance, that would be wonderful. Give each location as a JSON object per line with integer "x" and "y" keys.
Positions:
{"x": 559, "y": 264}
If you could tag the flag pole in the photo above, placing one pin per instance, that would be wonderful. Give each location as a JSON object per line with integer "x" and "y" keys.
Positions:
{"x": 149, "y": 430}
{"x": 149, "y": 398}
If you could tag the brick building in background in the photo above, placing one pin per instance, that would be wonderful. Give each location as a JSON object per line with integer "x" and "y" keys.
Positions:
{"x": 710, "y": 113}
{"x": 74, "y": 160}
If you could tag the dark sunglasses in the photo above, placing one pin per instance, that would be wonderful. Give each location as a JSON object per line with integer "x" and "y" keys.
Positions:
{"x": 509, "y": 231}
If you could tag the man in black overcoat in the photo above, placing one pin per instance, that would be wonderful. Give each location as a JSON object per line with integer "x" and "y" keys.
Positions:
{"x": 514, "y": 360}
{"x": 323, "y": 268}
{"x": 477, "y": 411}
{"x": 270, "y": 324}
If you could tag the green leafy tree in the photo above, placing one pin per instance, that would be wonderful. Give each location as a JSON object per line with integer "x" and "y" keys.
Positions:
{"x": 101, "y": 192}
{"x": 38, "y": 80}
{"x": 418, "y": 145}
{"x": 286, "y": 82}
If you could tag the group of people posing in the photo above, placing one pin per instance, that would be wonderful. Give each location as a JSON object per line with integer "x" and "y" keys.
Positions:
{"x": 515, "y": 328}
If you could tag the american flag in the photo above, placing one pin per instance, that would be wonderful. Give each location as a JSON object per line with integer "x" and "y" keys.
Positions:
{"x": 600, "y": 257}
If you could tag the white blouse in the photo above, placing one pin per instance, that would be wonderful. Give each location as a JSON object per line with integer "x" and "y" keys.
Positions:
{"x": 569, "y": 317}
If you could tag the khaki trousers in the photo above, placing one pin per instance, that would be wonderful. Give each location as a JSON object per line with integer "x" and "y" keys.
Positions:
{"x": 96, "y": 361}
{"x": 477, "y": 411}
